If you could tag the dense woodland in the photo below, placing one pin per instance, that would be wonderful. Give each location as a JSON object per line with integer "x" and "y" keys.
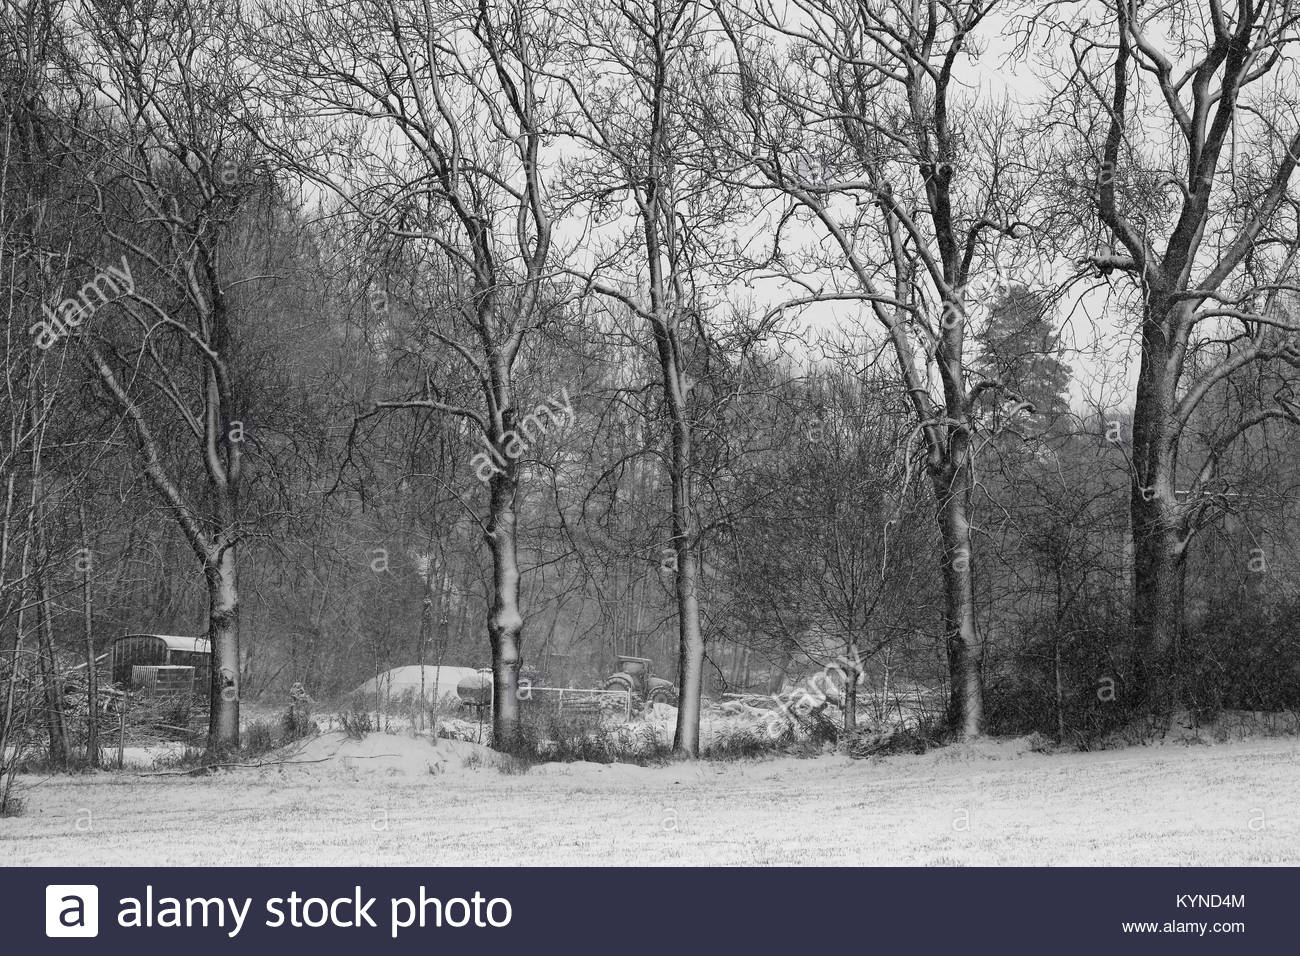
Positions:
{"x": 953, "y": 345}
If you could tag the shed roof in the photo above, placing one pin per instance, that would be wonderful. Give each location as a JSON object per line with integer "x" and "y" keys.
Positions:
{"x": 193, "y": 645}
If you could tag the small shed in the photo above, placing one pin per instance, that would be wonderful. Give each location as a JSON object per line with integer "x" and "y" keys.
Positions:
{"x": 158, "y": 650}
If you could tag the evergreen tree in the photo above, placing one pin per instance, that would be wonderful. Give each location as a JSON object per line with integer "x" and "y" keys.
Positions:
{"x": 1020, "y": 348}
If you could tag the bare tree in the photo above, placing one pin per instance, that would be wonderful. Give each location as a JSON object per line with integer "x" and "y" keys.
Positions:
{"x": 637, "y": 73}
{"x": 832, "y": 559}
{"x": 168, "y": 179}
{"x": 434, "y": 142}
{"x": 1203, "y": 230}
{"x": 855, "y": 112}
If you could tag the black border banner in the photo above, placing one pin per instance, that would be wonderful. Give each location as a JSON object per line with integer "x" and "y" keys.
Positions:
{"x": 679, "y": 910}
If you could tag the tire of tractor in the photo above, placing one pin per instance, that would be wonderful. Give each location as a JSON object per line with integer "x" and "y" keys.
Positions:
{"x": 619, "y": 682}
{"x": 663, "y": 695}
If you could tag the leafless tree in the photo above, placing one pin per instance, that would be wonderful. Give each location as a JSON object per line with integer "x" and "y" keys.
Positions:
{"x": 166, "y": 179}
{"x": 857, "y": 114}
{"x": 433, "y": 137}
{"x": 1184, "y": 150}
{"x": 638, "y": 74}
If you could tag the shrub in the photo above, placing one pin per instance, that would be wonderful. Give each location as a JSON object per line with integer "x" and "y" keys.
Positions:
{"x": 912, "y": 738}
{"x": 545, "y": 735}
{"x": 1094, "y": 646}
{"x": 473, "y": 760}
{"x": 512, "y": 766}
{"x": 12, "y": 806}
{"x": 356, "y": 723}
{"x": 257, "y": 739}
{"x": 746, "y": 744}
{"x": 187, "y": 759}
{"x": 297, "y": 721}
{"x": 1244, "y": 658}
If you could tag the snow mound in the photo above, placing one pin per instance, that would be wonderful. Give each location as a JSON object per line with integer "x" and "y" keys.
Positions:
{"x": 438, "y": 682}
{"x": 376, "y": 754}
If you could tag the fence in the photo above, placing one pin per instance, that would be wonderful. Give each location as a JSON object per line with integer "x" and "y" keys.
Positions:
{"x": 577, "y": 699}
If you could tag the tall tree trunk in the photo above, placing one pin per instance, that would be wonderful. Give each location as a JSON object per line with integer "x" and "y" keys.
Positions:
{"x": 850, "y": 696}
{"x": 1158, "y": 574}
{"x": 54, "y": 722}
{"x": 505, "y": 621}
{"x": 46, "y": 662}
{"x": 88, "y": 626}
{"x": 966, "y": 697}
{"x": 690, "y": 656}
{"x": 1156, "y": 523}
{"x": 690, "y": 637}
{"x": 221, "y": 575}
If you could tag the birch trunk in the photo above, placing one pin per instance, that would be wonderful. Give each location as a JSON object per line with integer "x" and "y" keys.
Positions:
{"x": 88, "y": 627}
{"x": 505, "y": 621}
{"x": 48, "y": 666}
{"x": 54, "y": 722}
{"x": 221, "y": 576}
{"x": 690, "y": 637}
{"x": 690, "y": 646}
{"x": 850, "y": 696}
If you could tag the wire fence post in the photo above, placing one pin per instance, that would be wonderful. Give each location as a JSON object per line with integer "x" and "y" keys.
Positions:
{"x": 121, "y": 733}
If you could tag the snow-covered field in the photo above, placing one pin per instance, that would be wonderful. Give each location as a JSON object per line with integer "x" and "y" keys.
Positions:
{"x": 394, "y": 800}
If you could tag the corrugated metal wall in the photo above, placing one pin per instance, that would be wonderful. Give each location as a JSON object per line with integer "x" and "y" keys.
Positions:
{"x": 136, "y": 649}
{"x": 167, "y": 679}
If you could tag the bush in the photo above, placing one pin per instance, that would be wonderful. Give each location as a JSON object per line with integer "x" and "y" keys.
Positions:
{"x": 356, "y": 723}
{"x": 296, "y": 726}
{"x": 512, "y": 766}
{"x": 1020, "y": 696}
{"x": 545, "y": 735}
{"x": 912, "y": 738}
{"x": 257, "y": 739}
{"x": 191, "y": 758}
{"x": 1244, "y": 658}
{"x": 297, "y": 722}
{"x": 815, "y": 726}
{"x": 748, "y": 744}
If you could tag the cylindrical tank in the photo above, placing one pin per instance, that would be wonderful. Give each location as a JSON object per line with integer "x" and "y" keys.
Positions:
{"x": 475, "y": 690}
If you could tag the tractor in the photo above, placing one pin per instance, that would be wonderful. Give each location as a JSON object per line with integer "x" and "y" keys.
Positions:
{"x": 633, "y": 675}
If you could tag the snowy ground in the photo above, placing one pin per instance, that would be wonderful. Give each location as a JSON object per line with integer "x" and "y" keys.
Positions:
{"x": 394, "y": 800}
